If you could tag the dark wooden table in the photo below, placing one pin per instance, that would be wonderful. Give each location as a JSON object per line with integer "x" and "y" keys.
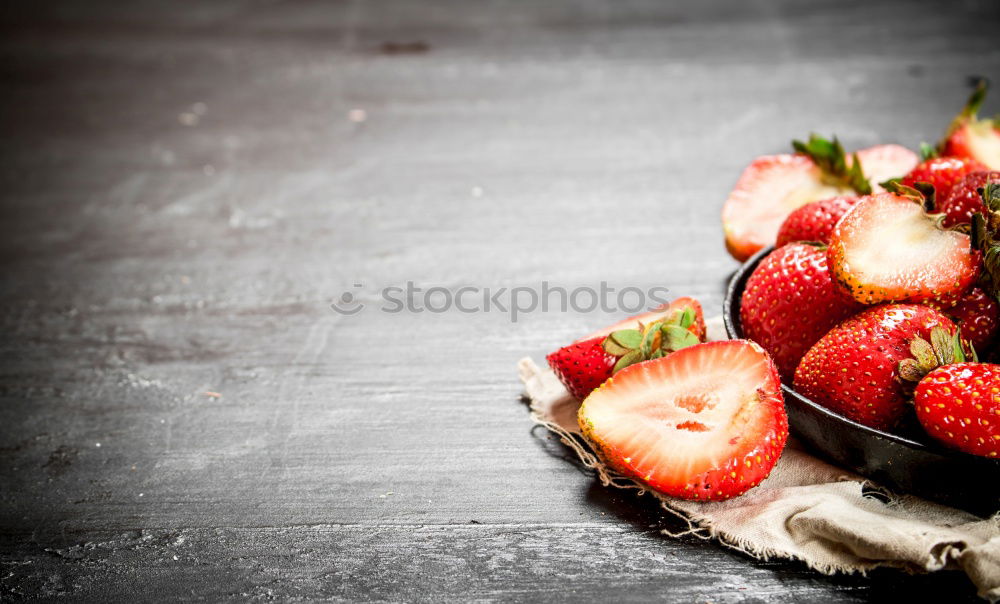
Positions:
{"x": 186, "y": 189}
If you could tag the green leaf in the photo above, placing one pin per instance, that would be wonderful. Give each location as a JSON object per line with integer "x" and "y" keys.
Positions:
{"x": 943, "y": 349}
{"x": 633, "y": 357}
{"x": 957, "y": 353}
{"x": 927, "y": 151}
{"x": 910, "y": 370}
{"x": 614, "y": 348}
{"x": 656, "y": 354}
{"x": 976, "y": 99}
{"x": 627, "y": 338}
{"x": 972, "y": 353}
{"x": 647, "y": 339}
{"x": 687, "y": 318}
{"x": 829, "y": 156}
{"x": 977, "y": 234}
{"x": 675, "y": 338}
{"x": 923, "y": 353}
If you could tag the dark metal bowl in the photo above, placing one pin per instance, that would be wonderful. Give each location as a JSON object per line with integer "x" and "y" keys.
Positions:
{"x": 908, "y": 462}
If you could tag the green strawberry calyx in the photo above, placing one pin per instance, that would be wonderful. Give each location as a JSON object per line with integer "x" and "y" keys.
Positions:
{"x": 985, "y": 237}
{"x": 829, "y": 156}
{"x": 921, "y": 192}
{"x": 651, "y": 341}
{"x": 945, "y": 348}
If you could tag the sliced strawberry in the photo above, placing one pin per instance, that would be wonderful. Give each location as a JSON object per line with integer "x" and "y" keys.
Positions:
{"x": 971, "y": 137}
{"x": 883, "y": 162}
{"x": 664, "y": 312}
{"x": 588, "y": 362}
{"x": 772, "y": 186}
{"x": 964, "y": 200}
{"x": 887, "y": 249}
{"x": 815, "y": 221}
{"x": 790, "y": 302}
{"x": 942, "y": 173}
{"x": 707, "y": 422}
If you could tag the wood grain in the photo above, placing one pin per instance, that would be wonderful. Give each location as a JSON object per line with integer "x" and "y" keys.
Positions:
{"x": 186, "y": 188}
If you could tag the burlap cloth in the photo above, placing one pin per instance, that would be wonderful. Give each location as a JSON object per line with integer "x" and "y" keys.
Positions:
{"x": 806, "y": 510}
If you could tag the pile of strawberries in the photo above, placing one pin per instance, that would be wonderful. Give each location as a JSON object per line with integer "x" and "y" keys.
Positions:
{"x": 878, "y": 301}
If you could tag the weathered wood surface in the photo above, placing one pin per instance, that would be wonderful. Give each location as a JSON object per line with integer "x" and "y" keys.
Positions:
{"x": 187, "y": 187}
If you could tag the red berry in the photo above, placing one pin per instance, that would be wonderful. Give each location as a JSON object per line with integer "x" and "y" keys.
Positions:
{"x": 964, "y": 200}
{"x": 815, "y": 221}
{"x": 790, "y": 302}
{"x": 853, "y": 369}
{"x": 942, "y": 172}
{"x": 977, "y": 315}
{"x": 959, "y": 405}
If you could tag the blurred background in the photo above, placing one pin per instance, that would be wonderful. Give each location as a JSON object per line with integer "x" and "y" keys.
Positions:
{"x": 186, "y": 187}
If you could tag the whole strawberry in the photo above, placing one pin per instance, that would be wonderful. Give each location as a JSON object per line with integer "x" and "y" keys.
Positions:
{"x": 587, "y": 363}
{"x": 959, "y": 405}
{"x": 942, "y": 173}
{"x": 964, "y": 199}
{"x": 977, "y": 315}
{"x": 854, "y": 369}
{"x": 790, "y": 301}
{"x": 815, "y": 221}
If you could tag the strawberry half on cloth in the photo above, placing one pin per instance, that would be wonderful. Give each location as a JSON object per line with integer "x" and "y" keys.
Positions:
{"x": 806, "y": 509}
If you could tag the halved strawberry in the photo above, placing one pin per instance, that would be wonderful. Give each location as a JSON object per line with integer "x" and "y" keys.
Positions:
{"x": 887, "y": 249}
{"x": 707, "y": 422}
{"x": 971, "y": 137}
{"x": 942, "y": 173}
{"x": 588, "y": 362}
{"x": 815, "y": 221}
{"x": 774, "y": 185}
{"x": 664, "y": 312}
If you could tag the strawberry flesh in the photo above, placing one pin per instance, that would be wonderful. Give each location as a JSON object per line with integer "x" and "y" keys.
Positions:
{"x": 887, "y": 249}
{"x": 706, "y": 422}
{"x": 772, "y": 186}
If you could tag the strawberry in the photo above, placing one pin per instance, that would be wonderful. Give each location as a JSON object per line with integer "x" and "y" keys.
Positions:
{"x": 942, "y": 173}
{"x": 790, "y": 301}
{"x": 854, "y": 369}
{"x": 964, "y": 200}
{"x": 774, "y": 185}
{"x": 707, "y": 422}
{"x": 968, "y": 136}
{"x": 887, "y": 249}
{"x": 959, "y": 405}
{"x": 977, "y": 315}
{"x": 587, "y": 363}
{"x": 815, "y": 220}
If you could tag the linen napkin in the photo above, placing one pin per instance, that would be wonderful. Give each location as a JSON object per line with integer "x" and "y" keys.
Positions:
{"x": 806, "y": 510}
